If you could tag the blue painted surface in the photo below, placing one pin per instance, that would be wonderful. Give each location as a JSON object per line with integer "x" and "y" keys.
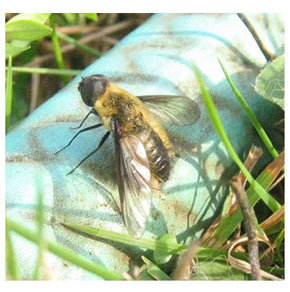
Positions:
{"x": 156, "y": 58}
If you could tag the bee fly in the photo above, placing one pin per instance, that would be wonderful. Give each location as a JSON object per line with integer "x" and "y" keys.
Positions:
{"x": 142, "y": 147}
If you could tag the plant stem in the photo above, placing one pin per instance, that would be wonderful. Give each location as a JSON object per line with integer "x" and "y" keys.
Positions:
{"x": 249, "y": 226}
{"x": 57, "y": 48}
{"x": 268, "y": 55}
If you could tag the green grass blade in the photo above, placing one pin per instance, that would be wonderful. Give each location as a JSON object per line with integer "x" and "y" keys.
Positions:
{"x": 76, "y": 43}
{"x": 152, "y": 244}
{"x": 9, "y": 94}
{"x": 251, "y": 115}
{"x": 11, "y": 266}
{"x": 154, "y": 271}
{"x": 91, "y": 16}
{"x": 278, "y": 242}
{"x": 229, "y": 223}
{"x": 40, "y": 223}
{"x": 272, "y": 204}
{"x": 64, "y": 253}
{"x": 56, "y": 47}
{"x": 47, "y": 71}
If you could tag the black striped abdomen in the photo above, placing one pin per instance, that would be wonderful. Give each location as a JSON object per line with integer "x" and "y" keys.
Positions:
{"x": 157, "y": 154}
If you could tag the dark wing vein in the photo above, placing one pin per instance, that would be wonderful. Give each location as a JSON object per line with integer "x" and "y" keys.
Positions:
{"x": 173, "y": 109}
{"x": 134, "y": 181}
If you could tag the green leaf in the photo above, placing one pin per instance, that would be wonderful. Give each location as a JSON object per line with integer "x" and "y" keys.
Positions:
{"x": 91, "y": 16}
{"x": 14, "y": 50}
{"x": 27, "y": 30}
{"x": 162, "y": 255}
{"x": 37, "y": 17}
{"x": 270, "y": 83}
{"x": 154, "y": 271}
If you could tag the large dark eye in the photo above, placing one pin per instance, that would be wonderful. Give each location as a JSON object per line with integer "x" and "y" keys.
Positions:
{"x": 91, "y": 88}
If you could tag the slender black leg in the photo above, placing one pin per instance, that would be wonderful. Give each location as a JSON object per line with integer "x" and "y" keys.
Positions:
{"x": 92, "y": 111}
{"x": 83, "y": 130}
{"x": 99, "y": 146}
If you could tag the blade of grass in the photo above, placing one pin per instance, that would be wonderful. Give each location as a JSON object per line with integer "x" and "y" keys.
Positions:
{"x": 76, "y": 43}
{"x": 47, "y": 71}
{"x": 277, "y": 242}
{"x": 169, "y": 247}
{"x": 146, "y": 243}
{"x": 56, "y": 47}
{"x": 11, "y": 265}
{"x": 272, "y": 204}
{"x": 40, "y": 223}
{"x": 230, "y": 222}
{"x": 9, "y": 94}
{"x": 154, "y": 271}
{"x": 251, "y": 115}
{"x": 64, "y": 253}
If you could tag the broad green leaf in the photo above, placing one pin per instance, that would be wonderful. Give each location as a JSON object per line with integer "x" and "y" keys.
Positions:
{"x": 270, "y": 83}
{"x": 13, "y": 50}
{"x": 37, "y": 17}
{"x": 161, "y": 255}
{"x": 27, "y": 30}
{"x": 154, "y": 271}
{"x": 91, "y": 16}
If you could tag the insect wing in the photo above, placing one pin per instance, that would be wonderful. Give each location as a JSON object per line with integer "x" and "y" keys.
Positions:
{"x": 134, "y": 181}
{"x": 172, "y": 109}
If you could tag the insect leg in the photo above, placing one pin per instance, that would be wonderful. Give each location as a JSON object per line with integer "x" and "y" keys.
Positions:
{"x": 92, "y": 111}
{"x": 83, "y": 130}
{"x": 99, "y": 146}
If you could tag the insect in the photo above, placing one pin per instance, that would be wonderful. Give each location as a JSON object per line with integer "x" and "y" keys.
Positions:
{"x": 142, "y": 147}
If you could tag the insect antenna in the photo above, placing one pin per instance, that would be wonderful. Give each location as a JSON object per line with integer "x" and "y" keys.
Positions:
{"x": 83, "y": 130}
{"x": 92, "y": 111}
{"x": 99, "y": 146}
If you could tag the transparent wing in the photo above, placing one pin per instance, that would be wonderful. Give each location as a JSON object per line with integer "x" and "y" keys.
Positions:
{"x": 134, "y": 181}
{"x": 172, "y": 109}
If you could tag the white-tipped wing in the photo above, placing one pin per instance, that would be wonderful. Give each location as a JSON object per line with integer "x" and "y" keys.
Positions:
{"x": 134, "y": 180}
